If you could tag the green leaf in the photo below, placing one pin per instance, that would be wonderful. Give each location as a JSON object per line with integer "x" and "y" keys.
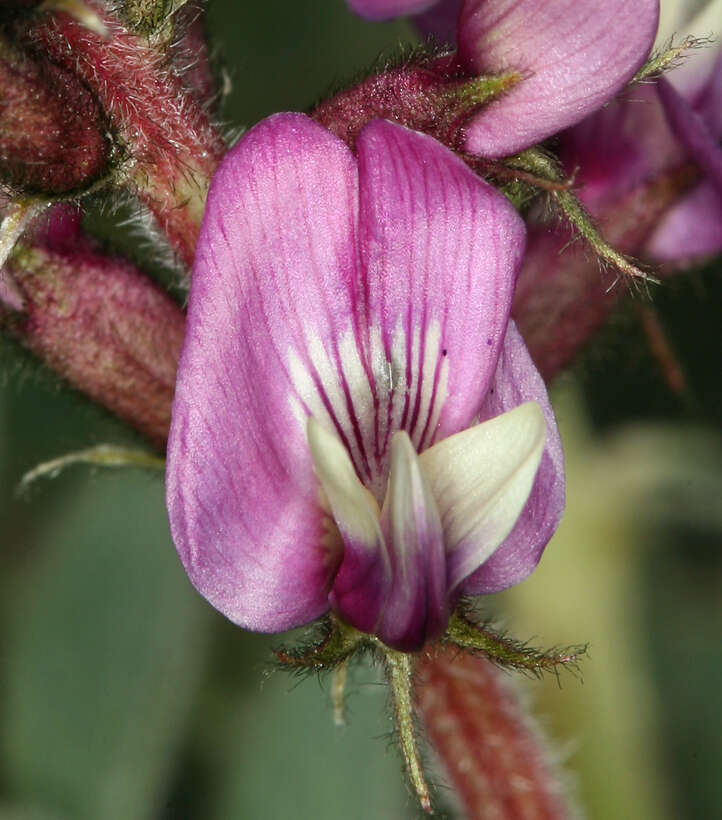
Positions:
{"x": 105, "y": 643}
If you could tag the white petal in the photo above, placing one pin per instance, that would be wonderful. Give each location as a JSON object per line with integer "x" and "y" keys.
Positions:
{"x": 481, "y": 479}
{"x": 352, "y": 506}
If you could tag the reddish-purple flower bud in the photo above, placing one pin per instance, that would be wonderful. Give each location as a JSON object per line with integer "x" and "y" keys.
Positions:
{"x": 53, "y": 138}
{"x": 96, "y": 321}
{"x": 172, "y": 146}
{"x": 497, "y": 760}
{"x": 429, "y": 97}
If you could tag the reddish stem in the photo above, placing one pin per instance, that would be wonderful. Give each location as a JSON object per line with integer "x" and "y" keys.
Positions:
{"x": 662, "y": 349}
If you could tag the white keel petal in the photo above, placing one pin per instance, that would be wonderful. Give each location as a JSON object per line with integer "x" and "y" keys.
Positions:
{"x": 417, "y": 606}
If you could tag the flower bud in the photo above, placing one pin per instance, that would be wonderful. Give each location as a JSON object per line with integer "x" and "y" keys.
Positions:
{"x": 53, "y": 138}
{"x": 427, "y": 97}
{"x": 170, "y": 144}
{"x": 95, "y": 320}
{"x": 470, "y": 712}
{"x": 147, "y": 16}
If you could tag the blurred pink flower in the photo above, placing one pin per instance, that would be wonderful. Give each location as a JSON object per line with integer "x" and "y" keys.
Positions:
{"x": 647, "y": 167}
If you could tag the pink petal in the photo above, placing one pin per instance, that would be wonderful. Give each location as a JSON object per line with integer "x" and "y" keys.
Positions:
{"x": 691, "y": 230}
{"x": 691, "y": 130}
{"x": 441, "y": 251}
{"x": 516, "y": 381}
{"x": 574, "y": 55}
{"x": 620, "y": 147}
{"x": 277, "y": 243}
{"x": 387, "y": 9}
{"x": 440, "y": 21}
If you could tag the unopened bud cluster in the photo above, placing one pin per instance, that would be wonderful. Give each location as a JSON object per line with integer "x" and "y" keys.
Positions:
{"x": 54, "y": 139}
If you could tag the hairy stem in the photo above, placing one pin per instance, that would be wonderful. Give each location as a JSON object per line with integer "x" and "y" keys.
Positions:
{"x": 399, "y": 670}
{"x": 103, "y": 455}
{"x": 537, "y": 162}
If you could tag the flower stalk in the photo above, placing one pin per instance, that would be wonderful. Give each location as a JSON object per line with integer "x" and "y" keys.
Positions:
{"x": 535, "y": 161}
{"x": 399, "y": 670}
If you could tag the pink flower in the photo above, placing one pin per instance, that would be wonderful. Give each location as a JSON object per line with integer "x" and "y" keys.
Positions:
{"x": 572, "y": 57}
{"x": 357, "y": 425}
{"x": 692, "y": 229}
{"x": 435, "y": 17}
{"x": 646, "y": 135}
{"x": 648, "y": 168}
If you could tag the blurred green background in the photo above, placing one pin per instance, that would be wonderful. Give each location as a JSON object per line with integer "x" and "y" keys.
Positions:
{"x": 123, "y": 695}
